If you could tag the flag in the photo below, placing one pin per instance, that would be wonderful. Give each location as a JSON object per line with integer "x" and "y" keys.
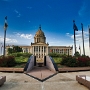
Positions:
{"x": 71, "y": 47}
{"x": 5, "y": 25}
{"x": 79, "y": 47}
{"x": 74, "y": 26}
{"x": 6, "y": 18}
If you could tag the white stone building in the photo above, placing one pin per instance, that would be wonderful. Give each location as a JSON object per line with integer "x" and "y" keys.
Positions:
{"x": 40, "y": 48}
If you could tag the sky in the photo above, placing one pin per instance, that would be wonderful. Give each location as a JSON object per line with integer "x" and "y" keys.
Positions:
{"x": 55, "y": 17}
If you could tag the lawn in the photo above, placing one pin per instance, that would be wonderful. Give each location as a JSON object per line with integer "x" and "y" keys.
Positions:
{"x": 57, "y": 60}
{"x": 21, "y": 59}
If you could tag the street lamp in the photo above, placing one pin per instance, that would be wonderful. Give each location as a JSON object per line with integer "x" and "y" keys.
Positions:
{"x": 5, "y": 28}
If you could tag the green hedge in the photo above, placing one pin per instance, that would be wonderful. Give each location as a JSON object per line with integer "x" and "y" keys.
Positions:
{"x": 21, "y": 54}
{"x": 80, "y": 61}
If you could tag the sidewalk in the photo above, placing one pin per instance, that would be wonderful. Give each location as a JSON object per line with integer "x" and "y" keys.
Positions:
{"x": 64, "y": 69}
{"x": 61, "y": 81}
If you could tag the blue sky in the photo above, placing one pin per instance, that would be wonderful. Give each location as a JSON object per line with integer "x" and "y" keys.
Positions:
{"x": 55, "y": 16}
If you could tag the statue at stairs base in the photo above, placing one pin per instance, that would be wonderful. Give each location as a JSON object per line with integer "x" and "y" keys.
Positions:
{"x": 41, "y": 71}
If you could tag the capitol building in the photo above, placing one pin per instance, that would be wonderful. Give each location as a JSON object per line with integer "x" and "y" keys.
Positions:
{"x": 40, "y": 48}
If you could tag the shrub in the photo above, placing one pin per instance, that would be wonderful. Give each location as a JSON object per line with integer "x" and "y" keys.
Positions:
{"x": 64, "y": 60}
{"x": 83, "y": 61}
{"x": 21, "y": 54}
{"x": 72, "y": 62}
{"x": 7, "y": 61}
{"x": 80, "y": 61}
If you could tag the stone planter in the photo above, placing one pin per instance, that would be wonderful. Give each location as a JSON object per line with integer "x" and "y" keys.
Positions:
{"x": 2, "y": 80}
{"x": 84, "y": 80}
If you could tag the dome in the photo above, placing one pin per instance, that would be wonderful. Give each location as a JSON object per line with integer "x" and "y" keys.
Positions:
{"x": 39, "y": 36}
{"x": 40, "y": 32}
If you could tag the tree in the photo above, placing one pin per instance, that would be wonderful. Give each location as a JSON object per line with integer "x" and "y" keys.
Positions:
{"x": 77, "y": 54}
{"x": 15, "y": 49}
{"x": 10, "y": 50}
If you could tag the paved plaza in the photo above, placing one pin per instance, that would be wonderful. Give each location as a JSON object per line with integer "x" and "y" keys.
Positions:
{"x": 61, "y": 81}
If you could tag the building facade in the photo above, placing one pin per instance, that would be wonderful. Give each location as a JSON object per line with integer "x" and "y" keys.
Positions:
{"x": 40, "y": 48}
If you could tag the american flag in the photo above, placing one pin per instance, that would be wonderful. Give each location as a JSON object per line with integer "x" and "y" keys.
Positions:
{"x": 74, "y": 26}
{"x": 6, "y": 25}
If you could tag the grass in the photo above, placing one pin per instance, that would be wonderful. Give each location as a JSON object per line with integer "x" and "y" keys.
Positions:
{"x": 21, "y": 59}
{"x": 57, "y": 60}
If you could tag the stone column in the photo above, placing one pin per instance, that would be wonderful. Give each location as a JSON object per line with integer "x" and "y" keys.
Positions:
{"x": 47, "y": 50}
{"x": 33, "y": 50}
{"x": 28, "y": 50}
{"x": 23, "y": 50}
{"x": 38, "y": 51}
{"x": 43, "y": 51}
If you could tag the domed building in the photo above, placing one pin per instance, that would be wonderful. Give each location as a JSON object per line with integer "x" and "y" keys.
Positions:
{"x": 40, "y": 48}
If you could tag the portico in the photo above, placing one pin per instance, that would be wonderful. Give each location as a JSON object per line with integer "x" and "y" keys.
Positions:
{"x": 39, "y": 47}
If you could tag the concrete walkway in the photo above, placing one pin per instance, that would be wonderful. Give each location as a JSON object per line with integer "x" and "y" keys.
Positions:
{"x": 61, "y": 81}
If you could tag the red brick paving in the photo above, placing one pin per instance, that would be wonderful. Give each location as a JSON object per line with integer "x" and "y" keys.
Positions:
{"x": 41, "y": 72}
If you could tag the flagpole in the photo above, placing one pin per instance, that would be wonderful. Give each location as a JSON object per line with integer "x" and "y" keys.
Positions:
{"x": 5, "y": 28}
{"x": 74, "y": 41}
{"x": 89, "y": 36}
{"x": 83, "y": 39}
{"x": 80, "y": 50}
{"x": 75, "y": 29}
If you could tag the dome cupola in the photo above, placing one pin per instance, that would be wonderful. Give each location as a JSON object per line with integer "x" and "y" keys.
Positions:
{"x": 39, "y": 36}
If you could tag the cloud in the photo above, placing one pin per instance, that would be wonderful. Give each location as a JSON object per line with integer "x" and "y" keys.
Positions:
{"x": 8, "y": 40}
{"x": 83, "y": 9}
{"x": 18, "y": 13}
{"x": 78, "y": 36}
{"x": 49, "y": 6}
{"x": 11, "y": 40}
{"x": 26, "y": 36}
{"x": 29, "y": 7}
{"x": 79, "y": 41}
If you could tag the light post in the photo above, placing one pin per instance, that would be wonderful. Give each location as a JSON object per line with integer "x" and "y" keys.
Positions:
{"x": 5, "y": 28}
